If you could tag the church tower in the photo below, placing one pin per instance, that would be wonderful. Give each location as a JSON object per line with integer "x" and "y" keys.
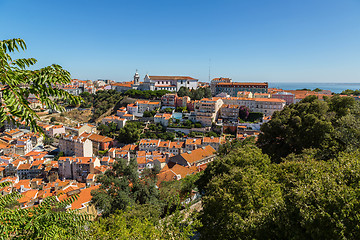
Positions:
{"x": 136, "y": 78}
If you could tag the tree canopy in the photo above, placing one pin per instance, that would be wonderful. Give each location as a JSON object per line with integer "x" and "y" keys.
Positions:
{"x": 194, "y": 94}
{"x": 329, "y": 126}
{"x": 18, "y": 83}
{"x": 245, "y": 196}
{"x": 121, "y": 187}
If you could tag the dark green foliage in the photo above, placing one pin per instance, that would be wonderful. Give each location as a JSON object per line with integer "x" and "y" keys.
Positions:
{"x": 211, "y": 134}
{"x": 149, "y": 113}
{"x": 121, "y": 187}
{"x": 181, "y": 109}
{"x": 147, "y": 94}
{"x": 254, "y": 117}
{"x": 248, "y": 197}
{"x": 130, "y": 133}
{"x": 166, "y": 110}
{"x": 195, "y": 94}
{"x": 317, "y": 90}
{"x": 351, "y": 92}
{"x": 157, "y": 131}
{"x": 312, "y": 124}
{"x": 110, "y": 129}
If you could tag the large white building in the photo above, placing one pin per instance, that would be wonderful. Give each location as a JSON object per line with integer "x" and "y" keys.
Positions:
{"x": 170, "y": 83}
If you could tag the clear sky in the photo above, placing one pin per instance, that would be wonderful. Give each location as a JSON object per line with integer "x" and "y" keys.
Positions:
{"x": 252, "y": 40}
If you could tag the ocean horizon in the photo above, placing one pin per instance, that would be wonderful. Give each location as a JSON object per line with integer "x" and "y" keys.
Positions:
{"x": 333, "y": 87}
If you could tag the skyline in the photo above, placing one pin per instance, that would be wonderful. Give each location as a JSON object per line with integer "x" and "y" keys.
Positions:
{"x": 277, "y": 41}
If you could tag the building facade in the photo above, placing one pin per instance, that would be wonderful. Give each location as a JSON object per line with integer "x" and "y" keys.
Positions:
{"x": 233, "y": 88}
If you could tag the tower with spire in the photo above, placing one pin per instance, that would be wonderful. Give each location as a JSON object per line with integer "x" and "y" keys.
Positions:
{"x": 136, "y": 78}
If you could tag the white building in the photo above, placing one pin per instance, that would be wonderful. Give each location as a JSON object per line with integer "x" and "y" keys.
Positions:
{"x": 170, "y": 83}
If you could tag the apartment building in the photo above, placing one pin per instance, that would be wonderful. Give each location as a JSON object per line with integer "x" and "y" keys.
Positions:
{"x": 55, "y": 130}
{"x": 215, "y": 81}
{"x": 214, "y": 142}
{"x": 145, "y": 105}
{"x": 287, "y": 96}
{"x": 229, "y": 112}
{"x": 99, "y": 142}
{"x": 264, "y": 105}
{"x": 149, "y": 145}
{"x": 169, "y": 100}
{"x": 120, "y": 122}
{"x": 77, "y": 168}
{"x": 162, "y": 118}
{"x": 233, "y": 88}
{"x": 76, "y": 145}
{"x": 207, "y": 110}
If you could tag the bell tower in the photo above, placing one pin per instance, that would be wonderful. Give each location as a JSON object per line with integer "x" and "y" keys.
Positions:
{"x": 136, "y": 78}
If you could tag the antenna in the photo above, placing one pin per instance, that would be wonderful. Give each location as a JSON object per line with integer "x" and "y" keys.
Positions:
{"x": 209, "y": 68}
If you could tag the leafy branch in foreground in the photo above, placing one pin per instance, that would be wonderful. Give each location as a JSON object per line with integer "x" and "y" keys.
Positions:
{"x": 19, "y": 83}
{"x": 49, "y": 220}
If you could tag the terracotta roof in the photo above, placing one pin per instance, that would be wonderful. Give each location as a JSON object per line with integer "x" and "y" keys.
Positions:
{"x": 83, "y": 197}
{"x": 193, "y": 141}
{"x": 149, "y": 142}
{"x": 183, "y": 171}
{"x": 165, "y": 176}
{"x": 25, "y": 166}
{"x": 96, "y": 138}
{"x": 141, "y": 160}
{"x": 129, "y": 147}
{"x": 28, "y": 195}
{"x": 23, "y": 182}
{"x": 164, "y": 143}
{"x": 176, "y": 144}
{"x": 198, "y": 154}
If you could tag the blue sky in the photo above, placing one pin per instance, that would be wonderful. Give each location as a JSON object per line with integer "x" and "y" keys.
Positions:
{"x": 253, "y": 40}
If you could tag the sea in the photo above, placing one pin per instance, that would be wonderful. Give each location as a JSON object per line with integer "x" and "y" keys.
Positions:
{"x": 333, "y": 87}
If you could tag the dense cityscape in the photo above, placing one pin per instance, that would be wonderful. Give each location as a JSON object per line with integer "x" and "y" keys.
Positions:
{"x": 179, "y": 120}
{"x": 165, "y": 131}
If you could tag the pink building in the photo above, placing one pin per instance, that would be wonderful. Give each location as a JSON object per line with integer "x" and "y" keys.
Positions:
{"x": 169, "y": 100}
{"x": 287, "y": 96}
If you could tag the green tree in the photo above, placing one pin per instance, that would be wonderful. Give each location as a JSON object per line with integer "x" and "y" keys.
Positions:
{"x": 245, "y": 196}
{"x": 130, "y": 133}
{"x": 125, "y": 225}
{"x": 311, "y": 124}
{"x": 121, "y": 187}
{"x": 317, "y": 90}
{"x": 184, "y": 91}
{"x": 19, "y": 82}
